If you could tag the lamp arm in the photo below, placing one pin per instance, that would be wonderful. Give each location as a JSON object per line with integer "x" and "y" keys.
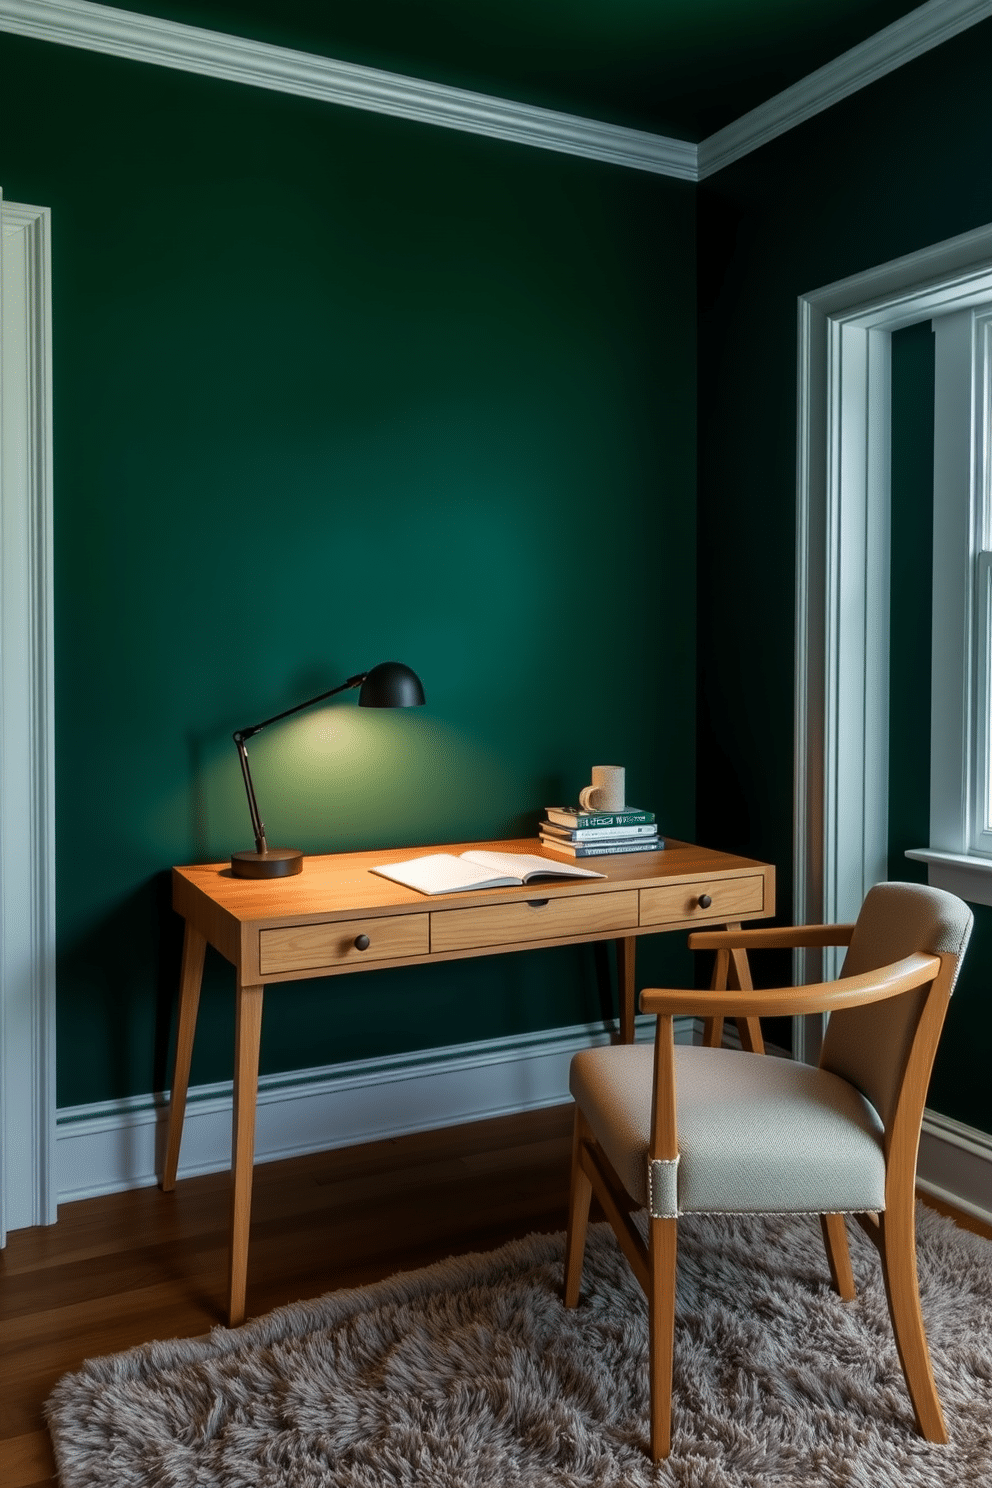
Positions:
{"x": 261, "y": 846}
{"x": 246, "y": 733}
{"x": 241, "y": 735}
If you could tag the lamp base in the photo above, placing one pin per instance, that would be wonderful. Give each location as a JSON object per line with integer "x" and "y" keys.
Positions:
{"x": 278, "y": 862}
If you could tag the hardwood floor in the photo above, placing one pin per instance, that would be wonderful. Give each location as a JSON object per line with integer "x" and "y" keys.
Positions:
{"x": 127, "y": 1268}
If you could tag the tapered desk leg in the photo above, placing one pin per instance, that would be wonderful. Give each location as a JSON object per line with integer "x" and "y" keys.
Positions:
{"x": 191, "y": 977}
{"x": 731, "y": 970}
{"x": 713, "y": 1027}
{"x": 626, "y": 986}
{"x": 749, "y": 1029}
{"x": 247, "y": 1037}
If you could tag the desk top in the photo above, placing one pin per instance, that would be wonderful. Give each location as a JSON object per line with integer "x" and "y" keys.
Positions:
{"x": 342, "y": 883}
{"x": 339, "y": 916}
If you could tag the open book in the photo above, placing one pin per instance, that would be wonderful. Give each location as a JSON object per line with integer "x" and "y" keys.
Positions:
{"x": 443, "y": 873}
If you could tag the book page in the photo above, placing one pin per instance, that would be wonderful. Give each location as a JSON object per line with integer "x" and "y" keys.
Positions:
{"x": 443, "y": 873}
{"x": 519, "y": 866}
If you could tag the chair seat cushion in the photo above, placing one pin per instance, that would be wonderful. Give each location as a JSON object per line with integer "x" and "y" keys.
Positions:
{"x": 757, "y": 1134}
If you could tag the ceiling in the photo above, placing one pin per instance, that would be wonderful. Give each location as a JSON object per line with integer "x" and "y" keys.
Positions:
{"x": 681, "y": 68}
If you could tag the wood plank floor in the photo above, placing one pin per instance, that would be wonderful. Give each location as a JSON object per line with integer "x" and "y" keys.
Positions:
{"x": 127, "y": 1268}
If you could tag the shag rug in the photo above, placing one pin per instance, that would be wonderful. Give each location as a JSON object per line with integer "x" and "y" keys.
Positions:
{"x": 472, "y": 1374}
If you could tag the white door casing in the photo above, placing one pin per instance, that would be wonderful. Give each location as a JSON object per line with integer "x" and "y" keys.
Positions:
{"x": 842, "y": 573}
{"x": 27, "y": 742}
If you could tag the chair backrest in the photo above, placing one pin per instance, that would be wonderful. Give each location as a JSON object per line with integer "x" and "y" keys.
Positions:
{"x": 870, "y": 1046}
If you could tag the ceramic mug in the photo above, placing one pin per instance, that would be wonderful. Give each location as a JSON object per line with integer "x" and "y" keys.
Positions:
{"x": 606, "y": 793}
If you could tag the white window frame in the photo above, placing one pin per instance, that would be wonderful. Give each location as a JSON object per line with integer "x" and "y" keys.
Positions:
{"x": 982, "y": 824}
{"x": 981, "y": 788}
{"x": 959, "y": 854}
{"x": 842, "y": 591}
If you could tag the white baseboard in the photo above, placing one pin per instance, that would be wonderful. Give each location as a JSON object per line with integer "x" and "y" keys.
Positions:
{"x": 116, "y": 1145}
{"x": 955, "y": 1164}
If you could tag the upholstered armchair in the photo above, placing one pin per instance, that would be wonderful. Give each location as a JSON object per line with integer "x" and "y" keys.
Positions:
{"x": 678, "y": 1129}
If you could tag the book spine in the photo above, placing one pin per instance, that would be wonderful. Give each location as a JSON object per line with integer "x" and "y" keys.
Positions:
{"x": 563, "y": 817}
{"x": 598, "y": 834}
{"x": 602, "y": 849}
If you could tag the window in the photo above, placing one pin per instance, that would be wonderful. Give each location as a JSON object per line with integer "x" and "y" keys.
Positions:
{"x": 960, "y": 850}
{"x": 842, "y": 578}
{"x": 981, "y": 833}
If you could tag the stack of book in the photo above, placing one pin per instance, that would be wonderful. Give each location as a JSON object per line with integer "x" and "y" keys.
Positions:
{"x": 593, "y": 834}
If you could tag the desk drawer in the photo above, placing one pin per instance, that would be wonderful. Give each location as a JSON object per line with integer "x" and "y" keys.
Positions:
{"x": 729, "y": 899}
{"x": 301, "y": 947}
{"x": 543, "y": 919}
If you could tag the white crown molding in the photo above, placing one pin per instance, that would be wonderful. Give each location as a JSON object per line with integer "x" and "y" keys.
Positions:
{"x": 122, "y": 33}
{"x": 924, "y": 28}
{"x": 139, "y": 38}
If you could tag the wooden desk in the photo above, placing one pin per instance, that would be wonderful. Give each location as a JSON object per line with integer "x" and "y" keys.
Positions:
{"x": 337, "y": 917}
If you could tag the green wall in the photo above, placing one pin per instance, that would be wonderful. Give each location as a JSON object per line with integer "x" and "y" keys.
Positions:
{"x": 330, "y": 389}
{"x": 900, "y": 165}
{"x": 911, "y": 600}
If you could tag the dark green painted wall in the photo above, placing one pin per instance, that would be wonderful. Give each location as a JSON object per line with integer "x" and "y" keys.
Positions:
{"x": 911, "y": 602}
{"x": 896, "y": 167}
{"x": 332, "y": 388}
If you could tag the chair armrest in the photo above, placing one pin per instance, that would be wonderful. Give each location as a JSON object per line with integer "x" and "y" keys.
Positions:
{"x": 775, "y": 1002}
{"x": 762, "y": 937}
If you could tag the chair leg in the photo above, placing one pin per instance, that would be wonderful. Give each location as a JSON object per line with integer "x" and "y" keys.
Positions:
{"x": 838, "y": 1255}
{"x": 580, "y": 1195}
{"x": 662, "y": 1249}
{"x": 897, "y": 1247}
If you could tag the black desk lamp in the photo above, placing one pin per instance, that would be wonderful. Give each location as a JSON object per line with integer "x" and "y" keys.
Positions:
{"x": 388, "y": 685}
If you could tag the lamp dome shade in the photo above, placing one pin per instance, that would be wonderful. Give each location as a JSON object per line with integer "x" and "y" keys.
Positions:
{"x": 391, "y": 685}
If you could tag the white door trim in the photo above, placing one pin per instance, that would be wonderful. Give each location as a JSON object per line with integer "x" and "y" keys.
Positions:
{"x": 842, "y": 589}
{"x": 27, "y": 734}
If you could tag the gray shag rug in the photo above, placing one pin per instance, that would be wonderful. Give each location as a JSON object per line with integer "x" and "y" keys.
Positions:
{"x": 471, "y": 1373}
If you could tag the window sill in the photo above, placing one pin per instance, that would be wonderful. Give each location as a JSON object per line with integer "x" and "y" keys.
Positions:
{"x": 968, "y": 876}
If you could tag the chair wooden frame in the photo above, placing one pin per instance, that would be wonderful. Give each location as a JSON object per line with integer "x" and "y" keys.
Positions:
{"x": 892, "y": 1231}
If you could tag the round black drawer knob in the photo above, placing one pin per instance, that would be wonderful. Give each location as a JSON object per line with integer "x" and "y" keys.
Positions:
{"x": 704, "y": 901}
{"x": 362, "y": 942}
